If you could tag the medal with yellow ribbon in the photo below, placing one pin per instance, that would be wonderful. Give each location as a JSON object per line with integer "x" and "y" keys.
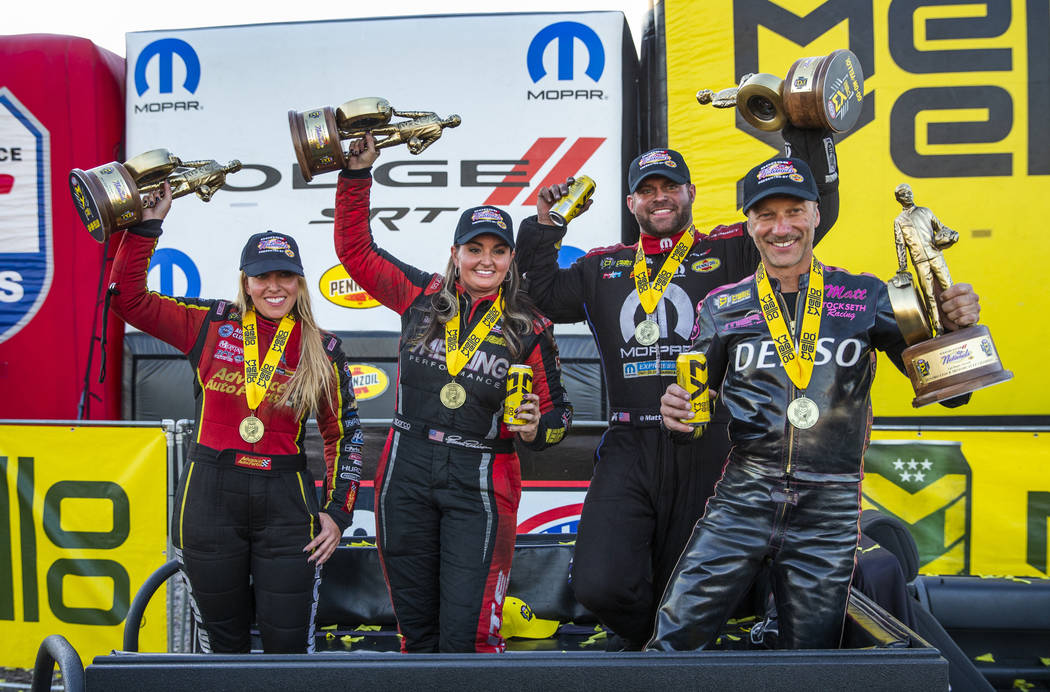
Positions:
{"x": 257, "y": 379}
{"x": 647, "y": 332}
{"x": 453, "y": 395}
{"x": 802, "y": 412}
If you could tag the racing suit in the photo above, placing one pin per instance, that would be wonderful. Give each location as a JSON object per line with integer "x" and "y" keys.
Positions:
{"x": 245, "y": 510}
{"x": 646, "y": 494}
{"x": 789, "y": 494}
{"x": 448, "y": 483}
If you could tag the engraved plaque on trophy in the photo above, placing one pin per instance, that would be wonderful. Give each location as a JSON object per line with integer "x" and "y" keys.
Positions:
{"x": 317, "y": 134}
{"x": 940, "y": 364}
{"x": 822, "y": 92}
{"x": 109, "y": 197}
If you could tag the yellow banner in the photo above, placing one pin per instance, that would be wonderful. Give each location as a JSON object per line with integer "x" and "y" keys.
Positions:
{"x": 976, "y": 502}
{"x": 82, "y": 525}
{"x": 955, "y": 105}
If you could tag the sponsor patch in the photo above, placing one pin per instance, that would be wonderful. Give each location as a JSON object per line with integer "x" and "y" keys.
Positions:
{"x": 275, "y": 244}
{"x": 781, "y": 168}
{"x": 706, "y": 265}
{"x": 486, "y": 215}
{"x": 226, "y": 330}
{"x": 252, "y": 462}
{"x": 725, "y": 300}
{"x": 612, "y": 275}
{"x": 749, "y": 320}
{"x": 620, "y": 417}
{"x": 660, "y": 157}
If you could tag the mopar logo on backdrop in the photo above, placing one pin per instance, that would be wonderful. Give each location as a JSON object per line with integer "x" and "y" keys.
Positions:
{"x": 25, "y": 215}
{"x": 163, "y": 265}
{"x": 556, "y": 45}
{"x": 161, "y": 66}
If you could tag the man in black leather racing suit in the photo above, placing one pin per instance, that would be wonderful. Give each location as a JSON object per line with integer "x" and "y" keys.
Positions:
{"x": 647, "y": 493}
{"x": 791, "y": 351}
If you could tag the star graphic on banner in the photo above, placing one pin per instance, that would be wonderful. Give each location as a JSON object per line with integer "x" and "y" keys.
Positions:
{"x": 912, "y": 464}
{"x": 905, "y": 476}
{"x": 927, "y": 464}
{"x": 919, "y": 476}
{"x": 898, "y": 465}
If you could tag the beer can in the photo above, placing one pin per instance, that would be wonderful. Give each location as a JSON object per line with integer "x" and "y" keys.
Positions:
{"x": 519, "y": 383}
{"x": 692, "y": 377}
{"x": 569, "y": 207}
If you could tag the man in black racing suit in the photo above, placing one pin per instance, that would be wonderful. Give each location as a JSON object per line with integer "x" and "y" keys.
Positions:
{"x": 798, "y": 393}
{"x": 646, "y": 494}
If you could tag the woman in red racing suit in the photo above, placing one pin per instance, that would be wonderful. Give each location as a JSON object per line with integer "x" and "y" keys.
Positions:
{"x": 448, "y": 483}
{"x": 246, "y": 515}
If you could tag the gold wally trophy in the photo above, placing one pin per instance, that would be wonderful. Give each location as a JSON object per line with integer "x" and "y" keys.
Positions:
{"x": 822, "y": 92}
{"x": 317, "y": 134}
{"x": 950, "y": 363}
{"x": 109, "y": 197}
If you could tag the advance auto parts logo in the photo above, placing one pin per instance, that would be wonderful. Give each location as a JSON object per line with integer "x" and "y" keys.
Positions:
{"x": 155, "y": 70}
{"x": 369, "y": 382}
{"x": 337, "y": 287}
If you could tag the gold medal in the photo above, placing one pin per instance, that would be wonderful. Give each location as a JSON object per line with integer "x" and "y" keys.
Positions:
{"x": 647, "y": 333}
{"x": 803, "y": 413}
{"x": 453, "y": 395}
{"x": 251, "y": 429}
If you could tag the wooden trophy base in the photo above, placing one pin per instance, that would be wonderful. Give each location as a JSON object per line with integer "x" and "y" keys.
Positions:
{"x": 953, "y": 364}
{"x": 107, "y": 199}
{"x": 315, "y": 138}
{"x": 824, "y": 92}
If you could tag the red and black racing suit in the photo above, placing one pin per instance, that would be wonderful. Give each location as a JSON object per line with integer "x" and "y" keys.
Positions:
{"x": 245, "y": 510}
{"x": 448, "y": 483}
{"x": 788, "y": 495}
{"x": 646, "y": 494}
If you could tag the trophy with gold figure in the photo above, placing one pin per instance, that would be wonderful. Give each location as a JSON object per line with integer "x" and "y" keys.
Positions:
{"x": 317, "y": 134}
{"x": 822, "y": 92}
{"x": 940, "y": 364}
{"x": 109, "y": 197}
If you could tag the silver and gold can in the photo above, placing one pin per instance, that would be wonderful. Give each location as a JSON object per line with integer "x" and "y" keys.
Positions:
{"x": 692, "y": 377}
{"x": 569, "y": 207}
{"x": 519, "y": 383}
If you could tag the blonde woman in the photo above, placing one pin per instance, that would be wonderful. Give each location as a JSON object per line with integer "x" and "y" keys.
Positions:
{"x": 246, "y": 515}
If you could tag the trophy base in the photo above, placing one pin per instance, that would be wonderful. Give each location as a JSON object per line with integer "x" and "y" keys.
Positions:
{"x": 315, "y": 138}
{"x": 953, "y": 364}
{"x": 106, "y": 199}
{"x": 825, "y": 92}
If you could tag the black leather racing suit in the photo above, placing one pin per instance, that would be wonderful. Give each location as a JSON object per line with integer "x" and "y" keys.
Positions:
{"x": 789, "y": 494}
{"x": 646, "y": 493}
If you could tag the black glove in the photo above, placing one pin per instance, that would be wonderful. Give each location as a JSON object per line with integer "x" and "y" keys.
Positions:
{"x": 815, "y": 147}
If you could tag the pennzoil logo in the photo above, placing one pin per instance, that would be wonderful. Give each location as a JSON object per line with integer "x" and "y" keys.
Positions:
{"x": 337, "y": 287}
{"x": 369, "y": 382}
{"x": 708, "y": 264}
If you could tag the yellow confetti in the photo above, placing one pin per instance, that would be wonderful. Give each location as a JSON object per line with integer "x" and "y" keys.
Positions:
{"x": 985, "y": 658}
{"x": 1045, "y": 660}
{"x": 362, "y": 544}
{"x": 734, "y": 621}
{"x": 329, "y": 636}
{"x": 330, "y": 627}
{"x": 347, "y": 639}
{"x": 368, "y": 628}
{"x": 1022, "y": 685}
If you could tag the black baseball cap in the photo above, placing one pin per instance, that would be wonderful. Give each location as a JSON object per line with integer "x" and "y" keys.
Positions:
{"x": 666, "y": 162}
{"x": 779, "y": 176}
{"x": 480, "y": 220}
{"x": 269, "y": 252}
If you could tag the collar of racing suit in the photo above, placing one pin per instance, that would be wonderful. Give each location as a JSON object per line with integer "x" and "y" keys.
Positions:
{"x": 651, "y": 245}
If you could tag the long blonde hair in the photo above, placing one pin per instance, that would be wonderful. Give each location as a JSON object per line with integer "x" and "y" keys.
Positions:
{"x": 313, "y": 381}
{"x": 517, "y": 310}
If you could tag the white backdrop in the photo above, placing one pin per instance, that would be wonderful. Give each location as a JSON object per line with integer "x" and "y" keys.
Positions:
{"x": 223, "y": 93}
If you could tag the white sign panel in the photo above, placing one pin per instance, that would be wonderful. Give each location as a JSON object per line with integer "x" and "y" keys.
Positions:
{"x": 540, "y": 96}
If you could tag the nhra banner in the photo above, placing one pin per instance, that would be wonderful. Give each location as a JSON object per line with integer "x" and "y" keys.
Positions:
{"x": 82, "y": 525}
{"x": 541, "y": 97}
{"x": 956, "y": 105}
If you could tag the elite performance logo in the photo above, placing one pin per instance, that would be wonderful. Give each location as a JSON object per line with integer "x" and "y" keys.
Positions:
{"x": 162, "y": 53}
{"x": 565, "y": 35}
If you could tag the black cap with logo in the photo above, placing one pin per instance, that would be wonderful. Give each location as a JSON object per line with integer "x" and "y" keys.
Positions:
{"x": 666, "y": 162}
{"x": 779, "y": 176}
{"x": 480, "y": 220}
{"x": 270, "y": 251}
